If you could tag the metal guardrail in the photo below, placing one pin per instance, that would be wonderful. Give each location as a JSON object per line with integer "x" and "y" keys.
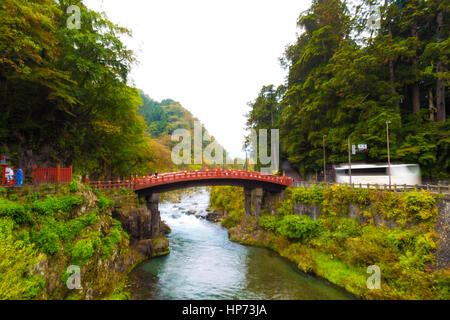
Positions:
{"x": 441, "y": 189}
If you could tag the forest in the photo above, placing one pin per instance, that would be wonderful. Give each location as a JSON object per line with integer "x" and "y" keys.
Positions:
{"x": 65, "y": 95}
{"x": 346, "y": 79}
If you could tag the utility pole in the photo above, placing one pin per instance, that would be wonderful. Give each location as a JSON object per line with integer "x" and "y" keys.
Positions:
{"x": 324, "y": 161}
{"x": 349, "y": 161}
{"x": 388, "y": 151}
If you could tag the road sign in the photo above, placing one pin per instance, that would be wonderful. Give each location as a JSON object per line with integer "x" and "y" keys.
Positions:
{"x": 362, "y": 146}
{"x": 353, "y": 149}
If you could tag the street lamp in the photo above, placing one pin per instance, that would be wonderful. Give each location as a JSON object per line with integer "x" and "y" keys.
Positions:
{"x": 324, "y": 161}
{"x": 389, "y": 155}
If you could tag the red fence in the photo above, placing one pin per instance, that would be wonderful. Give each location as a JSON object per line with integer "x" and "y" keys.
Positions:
{"x": 52, "y": 175}
{"x": 164, "y": 178}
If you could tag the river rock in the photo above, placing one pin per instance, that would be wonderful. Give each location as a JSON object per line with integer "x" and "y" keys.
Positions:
{"x": 164, "y": 228}
{"x": 213, "y": 216}
{"x": 191, "y": 212}
{"x": 160, "y": 247}
{"x": 145, "y": 247}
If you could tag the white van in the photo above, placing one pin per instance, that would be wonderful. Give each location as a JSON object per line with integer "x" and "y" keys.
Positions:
{"x": 401, "y": 174}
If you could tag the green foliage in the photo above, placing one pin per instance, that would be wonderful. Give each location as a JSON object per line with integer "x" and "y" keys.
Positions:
{"x": 53, "y": 232}
{"x": 48, "y": 240}
{"x": 120, "y": 293}
{"x": 419, "y": 204}
{"x": 13, "y": 197}
{"x": 155, "y": 116}
{"x": 269, "y": 223}
{"x": 51, "y": 205}
{"x": 82, "y": 251}
{"x": 124, "y": 191}
{"x": 118, "y": 226}
{"x": 311, "y": 195}
{"x": 233, "y": 219}
{"x": 75, "y": 84}
{"x": 73, "y": 186}
{"x": 104, "y": 203}
{"x": 345, "y": 81}
{"x": 227, "y": 198}
{"x": 443, "y": 284}
{"x": 31, "y": 197}
{"x": 339, "y": 229}
{"x": 340, "y": 248}
{"x": 58, "y": 239}
{"x": 287, "y": 206}
{"x": 14, "y": 210}
{"x": 17, "y": 258}
{"x": 109, "y": 242}
{"x": 418, "y": 207}
{"x": 298, "y": 227}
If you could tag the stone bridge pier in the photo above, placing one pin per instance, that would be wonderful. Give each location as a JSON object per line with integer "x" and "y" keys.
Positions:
{"x": 257, "y": 198}
{"x": 152, "y": 203}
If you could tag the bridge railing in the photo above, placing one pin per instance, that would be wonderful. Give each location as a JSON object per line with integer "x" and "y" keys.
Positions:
{"x": 164, "y": 178}
{"x": 211, "y": 174}
{"x": 111, "y": 184}
{"x": 441, "y": 189}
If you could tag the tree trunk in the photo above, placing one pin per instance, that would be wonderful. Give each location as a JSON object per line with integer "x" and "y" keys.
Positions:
{"x": 440, "y": 88}
{"x": 431, "y": 106}
{"x": 416, "y": 97}
{"x": 440, "y": 96}
{"x": 391, "y": 62}
{"x": 271, "y": 115}
{"x": 415, "y": 86}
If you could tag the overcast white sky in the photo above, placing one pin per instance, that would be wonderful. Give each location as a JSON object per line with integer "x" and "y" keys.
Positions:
{"x": 213, "y": 56}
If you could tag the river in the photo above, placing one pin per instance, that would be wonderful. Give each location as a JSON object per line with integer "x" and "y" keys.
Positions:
{"x": 204, "y": 264}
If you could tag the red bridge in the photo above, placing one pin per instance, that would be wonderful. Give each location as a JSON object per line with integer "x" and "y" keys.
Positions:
{"x": 185, "y": 179}
{"x": 253, "y": 183}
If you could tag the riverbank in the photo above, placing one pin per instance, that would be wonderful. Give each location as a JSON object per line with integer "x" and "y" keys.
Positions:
{"x": 339, "y": 248}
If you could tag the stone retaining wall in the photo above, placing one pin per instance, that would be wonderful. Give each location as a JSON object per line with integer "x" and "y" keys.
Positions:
{"x": 441, "y": 227}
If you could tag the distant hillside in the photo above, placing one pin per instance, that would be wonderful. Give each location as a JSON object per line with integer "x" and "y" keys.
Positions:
{"x": 162, "y": 118}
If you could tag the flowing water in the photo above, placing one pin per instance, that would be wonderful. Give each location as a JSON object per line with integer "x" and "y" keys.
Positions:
{"x": 204, "y": 264}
